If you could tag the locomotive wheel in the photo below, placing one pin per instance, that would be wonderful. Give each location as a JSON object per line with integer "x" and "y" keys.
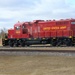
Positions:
{"x": 16, "y": 44}
{"x": 68, "y": 42}
{"x": 22, "y": 44}
{"x": 10, "y": 43}
{"x": 53, "y": 42}
{"x": 59, "y": 42}
{"x": 28, "y": 45}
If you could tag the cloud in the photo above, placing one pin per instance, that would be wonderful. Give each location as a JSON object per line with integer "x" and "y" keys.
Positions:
{"x": 12, "y": 11}
{"x": 53, "y": 9}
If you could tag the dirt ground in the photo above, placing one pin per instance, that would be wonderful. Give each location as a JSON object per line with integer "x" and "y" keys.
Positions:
{"x": 37, "y": 65}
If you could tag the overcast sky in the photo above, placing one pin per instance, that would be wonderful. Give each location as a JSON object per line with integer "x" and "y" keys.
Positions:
{"x": 12, "y": 11}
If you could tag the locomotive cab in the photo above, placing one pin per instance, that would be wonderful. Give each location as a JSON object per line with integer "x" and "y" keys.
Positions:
{"x": 21, "y": 29}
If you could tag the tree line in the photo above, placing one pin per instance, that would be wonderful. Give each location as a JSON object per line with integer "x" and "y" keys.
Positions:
{"x": 3, "y": 32}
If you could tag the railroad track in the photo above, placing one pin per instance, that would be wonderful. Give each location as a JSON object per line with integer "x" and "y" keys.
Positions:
{"x": 38, "y": 50}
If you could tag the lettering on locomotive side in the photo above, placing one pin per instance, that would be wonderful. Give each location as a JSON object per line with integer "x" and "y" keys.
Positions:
{"x": 54, "y": 28}
{"x": 46, "y": 28}
{"x": 63, "y": 27}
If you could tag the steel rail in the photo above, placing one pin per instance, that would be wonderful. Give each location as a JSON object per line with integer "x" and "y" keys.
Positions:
{"x": 39, "y": 49}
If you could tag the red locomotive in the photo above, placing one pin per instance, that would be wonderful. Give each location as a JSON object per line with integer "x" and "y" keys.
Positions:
{"x": 54, "y": 32}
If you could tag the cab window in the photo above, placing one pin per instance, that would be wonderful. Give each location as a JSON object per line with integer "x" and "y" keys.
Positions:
{"x": 24, "y": 29}
{"x": 18, "y": 28}
{"x": 73, "y": 23}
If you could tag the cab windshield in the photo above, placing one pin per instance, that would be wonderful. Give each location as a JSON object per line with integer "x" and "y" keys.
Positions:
{"x": 18, "y": 28}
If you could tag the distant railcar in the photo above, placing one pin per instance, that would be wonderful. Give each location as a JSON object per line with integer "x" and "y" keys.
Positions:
{"x": 53, "y": 32}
